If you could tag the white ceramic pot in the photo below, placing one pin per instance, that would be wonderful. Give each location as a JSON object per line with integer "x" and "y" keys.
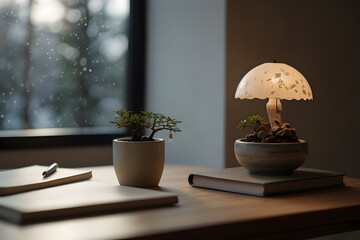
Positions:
{"x": 138, "y": 164}
{"x": 271, "y": 158}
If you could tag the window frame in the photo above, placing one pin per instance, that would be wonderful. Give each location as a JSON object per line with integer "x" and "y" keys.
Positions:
{"x": 136, "y": 90}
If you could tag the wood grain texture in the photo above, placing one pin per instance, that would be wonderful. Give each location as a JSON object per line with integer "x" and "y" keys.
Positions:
{"x": 214, "y": 214}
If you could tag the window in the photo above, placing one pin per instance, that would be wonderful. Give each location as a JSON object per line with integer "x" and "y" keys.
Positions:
{"x": 65, "y": 66}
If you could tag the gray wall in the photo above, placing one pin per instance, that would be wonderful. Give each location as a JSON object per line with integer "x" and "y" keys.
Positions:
{"x": 186, "y": 76}
{"x": 320, "y": 39}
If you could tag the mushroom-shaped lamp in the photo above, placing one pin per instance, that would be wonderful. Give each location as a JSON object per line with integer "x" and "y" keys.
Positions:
{"x": 274, "y": 81}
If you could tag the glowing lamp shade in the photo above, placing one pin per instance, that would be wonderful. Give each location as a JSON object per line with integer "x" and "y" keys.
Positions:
{"x": 274, "y": 80}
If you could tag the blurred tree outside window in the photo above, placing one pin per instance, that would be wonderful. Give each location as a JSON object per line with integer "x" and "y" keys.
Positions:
{"x": 63, "y": 63}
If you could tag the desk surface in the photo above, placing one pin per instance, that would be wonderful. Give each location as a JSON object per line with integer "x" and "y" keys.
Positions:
{"x": 220, "y": 215}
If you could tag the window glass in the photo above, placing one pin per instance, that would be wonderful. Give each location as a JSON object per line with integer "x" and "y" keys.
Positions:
{"x": 63, "y": 63}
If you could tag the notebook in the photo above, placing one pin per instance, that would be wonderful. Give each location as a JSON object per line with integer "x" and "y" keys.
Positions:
{"x": 239, "y": 180}
{"x": 78, "y": 199}
{"x": 30, "y": 178}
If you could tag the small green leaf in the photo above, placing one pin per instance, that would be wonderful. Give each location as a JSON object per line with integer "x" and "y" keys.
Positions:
{"x": 251, "y": 121}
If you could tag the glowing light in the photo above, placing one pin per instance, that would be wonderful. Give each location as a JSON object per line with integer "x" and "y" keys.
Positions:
{"x": 95, "y": 5}
{"x": 113, "y": 48}
{"x": 73, "y": 15}
{"x": 47, "y": 12}
{"x": 117, "y": 8}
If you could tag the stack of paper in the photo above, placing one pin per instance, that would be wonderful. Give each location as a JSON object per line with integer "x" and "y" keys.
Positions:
{"x": 77, "y": 198}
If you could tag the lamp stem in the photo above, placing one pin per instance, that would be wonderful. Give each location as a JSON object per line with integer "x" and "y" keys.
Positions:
{"x": 274, "y": 110}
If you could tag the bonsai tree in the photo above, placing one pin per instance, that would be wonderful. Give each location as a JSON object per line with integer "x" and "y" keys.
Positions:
{"x": 264, "y": 133}
{"x": 135, "y": 121}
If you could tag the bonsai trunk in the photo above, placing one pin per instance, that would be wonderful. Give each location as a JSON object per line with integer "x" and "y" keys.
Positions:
{"x": 151, "y": 136}
{"x": 274, "y": 110}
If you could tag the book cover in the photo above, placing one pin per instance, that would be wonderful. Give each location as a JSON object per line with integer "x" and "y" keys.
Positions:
{"x": 78, "y": 199}
{"x": 239, "y": 180}
{"x": 30, "y": 178}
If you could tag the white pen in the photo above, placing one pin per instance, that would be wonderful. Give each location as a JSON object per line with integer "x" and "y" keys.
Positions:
{"x": 50, "y": 170}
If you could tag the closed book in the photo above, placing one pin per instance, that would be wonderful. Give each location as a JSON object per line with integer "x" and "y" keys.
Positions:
{"x": 239, "y": 180}
{"x": 31, "y": 178}
{"x": 79, "y": 199}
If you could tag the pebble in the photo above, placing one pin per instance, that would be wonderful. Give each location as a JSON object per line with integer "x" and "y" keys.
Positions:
{"x": 266, "y": 134}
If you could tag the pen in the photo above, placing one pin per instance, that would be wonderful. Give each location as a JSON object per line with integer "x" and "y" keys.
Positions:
{"x": 50, "y": 170}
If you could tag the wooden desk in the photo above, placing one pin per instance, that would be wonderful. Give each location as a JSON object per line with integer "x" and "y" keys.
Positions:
{"x": 207, "y": 214}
